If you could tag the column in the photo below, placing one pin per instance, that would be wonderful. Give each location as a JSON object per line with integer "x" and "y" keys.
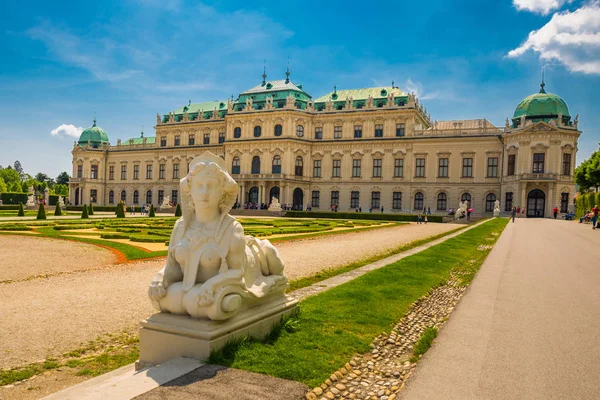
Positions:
{"x": 241, "y": 193}
{"x": 550, "y": 202}
{"x": 523, "y": 198}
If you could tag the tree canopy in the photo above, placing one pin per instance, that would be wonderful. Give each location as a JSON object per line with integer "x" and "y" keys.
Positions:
{"x": 13, "y": 178}
{"x": 587, "y": 175}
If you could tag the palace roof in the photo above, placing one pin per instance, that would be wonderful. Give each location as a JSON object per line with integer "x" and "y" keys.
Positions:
{"x": 360, "y": 94}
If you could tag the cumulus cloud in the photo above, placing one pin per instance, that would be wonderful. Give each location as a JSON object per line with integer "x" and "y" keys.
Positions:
{"x": 66, "y": 130}
{"x": 572, "y": 38}
{"x": 538, "y": 6}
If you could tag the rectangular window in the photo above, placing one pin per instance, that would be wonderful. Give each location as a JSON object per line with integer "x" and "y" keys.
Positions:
{"x": 420, "y": 168}
{"x": 397, "y": 200}
{"x": 161, "y": 196}
{"x": 538, "y": 163}
{"x": 175, "y": 171}
{"x": 192, "y": 139}
{"x": 357, "y": 131}
{"x": 221, "y": 137}
{"x": 206, "y": 139}
{"x": 566, "y": 170}
{"x": 508, "y": 202}
{"x": 379, "y": 130}
{"x": 492, "y": 169}
{"x": 337, "y": 132}
{"x": 375, "y": 199}
{"x": 337, "y": 166}
{"x": 177, "y": 140}
{"x": 319, "y": 133}
{"x": 467, "y": 171}
{"x": 335, "y": 198}
{"x": 94, "y": 172}
{"x": 175, "y": 196}
{"x": 564, "y": 202}
{"x": 443, "y": 168}
{"x": 149, "y": 171}
{"x": 317, "y": 168}
{"x": 354, "y": 199}
{"x": 136, "y": 172}
{"x": 377, "y": 168}
{"x": 398, "y": 168}
{"x": 163, "y": 141}
{"x": 123, "y": 172}
{"x": 315, "y": 198}
{"x": 161, "y": 171}
{"x": 80, "y": 171}
{"x": 111, "y": 173}
{"x": 399, "y": 129}
{"x": 511, "y": 165}
{"x": 356, "y": 168}
{"x": 93, "y": 195}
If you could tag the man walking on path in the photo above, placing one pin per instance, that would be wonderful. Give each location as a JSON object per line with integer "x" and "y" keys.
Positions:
{"x": 595, "y": 217}
{"x": 513, "y": 213}
{"x": 555, "y": 211}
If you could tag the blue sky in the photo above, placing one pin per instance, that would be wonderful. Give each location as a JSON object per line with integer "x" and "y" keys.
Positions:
{"x": 127, "y": 60}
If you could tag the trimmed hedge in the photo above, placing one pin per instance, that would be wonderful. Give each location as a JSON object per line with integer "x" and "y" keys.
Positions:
{"x": 355, "y": 215}
{"x": 114, "y": 236}
{"x": 96, "y": 208}
{"x": 13, "y": 198}
{"x": 41, "y": 212}
{"x": 72, "y": 227}
{"x": 53, "y": 199}
{"x": 11, "y": 207}
{"x": 15, "y": 227}
{"x": 586, "y": 202}
{"x": 147, "y": 239}
{"x": 21, "y": 212}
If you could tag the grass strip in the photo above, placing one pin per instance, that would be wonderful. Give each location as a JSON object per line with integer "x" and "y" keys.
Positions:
{"x": 331, "y": 272}
{"x": 424, "y": 343}
{"x": 334, "y": 325}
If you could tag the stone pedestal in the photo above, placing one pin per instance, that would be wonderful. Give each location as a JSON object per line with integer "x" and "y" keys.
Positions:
{"x": 165, "y": 336}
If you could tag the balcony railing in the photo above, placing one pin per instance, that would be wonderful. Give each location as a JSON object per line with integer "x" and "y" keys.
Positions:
{"x": 539, "y": 177}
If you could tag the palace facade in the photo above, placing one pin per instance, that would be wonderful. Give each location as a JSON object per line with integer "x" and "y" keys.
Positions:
{"x": 369, "y": 148}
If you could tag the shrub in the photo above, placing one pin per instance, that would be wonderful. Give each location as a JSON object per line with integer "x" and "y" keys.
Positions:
{"x": 120, "y": 210}
{"x": 13, "y": 198}
{"x": 354, "y": 216}
{"x": 15, "y": 227}
{"x": 91, "y": 209}
{"x": 147, "y": 239}
{"x": 41, "y": 212}
{"x": 57, "y": 211}
{"x": 53, "y": 199}
{"x": 72, "y": 227}
{"x": 21, "y": 212}
{"x": 114, "y": 236}
{"x": 151, "y": 214}
{"x": 84, "y": 213}
{"x": 178, "y": 210}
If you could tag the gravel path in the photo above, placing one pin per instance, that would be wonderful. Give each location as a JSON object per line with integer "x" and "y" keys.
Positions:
{"x": 22, "y": 257}
{"x": 46, "y": 317}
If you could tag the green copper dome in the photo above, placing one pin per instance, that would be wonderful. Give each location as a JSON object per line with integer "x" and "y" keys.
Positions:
{"x": 94, "y": 135}
{"x": 542, "y": 106}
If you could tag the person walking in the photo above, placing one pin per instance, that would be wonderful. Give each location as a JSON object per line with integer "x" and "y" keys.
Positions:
{"x": 513, "y": 213}
{"x": 555, "y": 211}
{"x": 419, "y": 218}
{"x": 595, "y": 217}
{"x": 425, "y": 219}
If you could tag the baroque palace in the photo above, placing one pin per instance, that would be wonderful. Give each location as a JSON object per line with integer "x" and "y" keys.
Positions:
{"x": 372, "y": 148}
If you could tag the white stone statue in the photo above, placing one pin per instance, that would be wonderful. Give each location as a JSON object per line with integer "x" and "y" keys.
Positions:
{"x": 497, "y": 208}
{"x": 274, "y": 206}
{"x": 30, "y": 200}
{"x": 166, "y": 203}
{"x": 61, "y": 201}
{"x": 213, "y": 271}
{"x": 461, "y": 211}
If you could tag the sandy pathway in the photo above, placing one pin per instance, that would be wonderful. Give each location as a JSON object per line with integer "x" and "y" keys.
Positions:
{"x": 45, "y": 317}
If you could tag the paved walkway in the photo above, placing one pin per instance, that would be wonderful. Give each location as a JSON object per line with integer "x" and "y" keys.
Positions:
{"x": 529, "y": 325}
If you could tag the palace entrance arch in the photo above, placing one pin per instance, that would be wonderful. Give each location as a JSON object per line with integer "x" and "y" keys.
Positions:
{"x": 536, "y": 203}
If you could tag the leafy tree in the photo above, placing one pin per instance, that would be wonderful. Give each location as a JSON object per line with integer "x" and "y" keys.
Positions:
{"x": 587, "y": 175}
{"x": 10, "y": 176}
{"x": 18, "y": 168}
{"x": 14, "y": 187}
{"x": 62, "y": 178}
{"x": 3, "y": 186}
{"x": 84, "y": 212}
{"x": 178, "y": 210}
{"x": 151, "y": 214}
{"x": 21, "y": 212}
{"x": 41, "y": 212}
{"x": 41, "y": 177}
{"x": 57, "y": 210}
{"x": 60, "y": 189}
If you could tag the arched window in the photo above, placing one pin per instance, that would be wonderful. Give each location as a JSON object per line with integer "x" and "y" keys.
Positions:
{"x": 276, "y": 165}
{"x": 237, "y": 132}
{"x": 111, "y": 197}
{"x": 123, "y": 195}
{"x": 442, "y": 201}
{"x": 466, "y": 197}
{"x": 149, "y": 197}
{"x": 299, "y": 166}
{"x": 256, "y": 165}
{"x": 490, "y": 199}
{"x": 418, "y": 201}
{"x": 278, "y": 130}
{"x": 257, "y": 131}
{"x": 300, "y": 130}
{"x": 136, "y": 197}
{"x": 235, "y": 165}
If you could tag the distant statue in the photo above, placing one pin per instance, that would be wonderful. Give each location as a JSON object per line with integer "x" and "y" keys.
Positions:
{"x": 274, "y": 206}
{"x": 522, "y": 121}
{"x": 213, "y": 271}
{"x": 576, "y": 121}
{"x": 61, "y": 201}
{"x": 461, "y": 211}
{"x": 166, "y": 203}
{"x": 507, "y": 123}
{"x": 158, "y": 119}
{"x": 497, "y": 208}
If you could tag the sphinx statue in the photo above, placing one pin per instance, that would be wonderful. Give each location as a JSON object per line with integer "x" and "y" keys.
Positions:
{"x": 497, "y": 208}
{"x": 461, "y": 211}
{"x": 213, "y": 271}
{"x": 274, "y": 206}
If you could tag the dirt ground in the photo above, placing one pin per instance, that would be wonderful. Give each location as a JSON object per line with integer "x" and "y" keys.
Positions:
{"x": 43, "y": 317}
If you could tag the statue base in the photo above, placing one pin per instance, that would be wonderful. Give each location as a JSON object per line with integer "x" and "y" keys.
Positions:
{"x": 165, "y": 336}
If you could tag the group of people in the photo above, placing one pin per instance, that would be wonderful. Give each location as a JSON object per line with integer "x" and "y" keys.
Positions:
{"x": 518, "y": 212}
{"x": 592, "y": 216}
{"x": 143, "y": 209}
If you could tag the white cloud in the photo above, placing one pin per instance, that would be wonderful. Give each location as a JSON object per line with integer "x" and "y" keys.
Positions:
{"x": 538, "y": 6}
{"x": 572, "y": 38}
{"x": 66, "y": 130}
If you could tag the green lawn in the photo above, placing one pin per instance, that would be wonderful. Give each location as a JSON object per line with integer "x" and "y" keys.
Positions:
{"x": 340, "y": 322}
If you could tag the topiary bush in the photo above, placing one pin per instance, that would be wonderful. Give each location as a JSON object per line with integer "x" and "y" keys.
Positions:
{"x": 91, "y": 209}
{"x": 120, "y": 210}
{"x": 178, "y": 210}
{"x": 57, "y": 210}
{"x": 84, "y": 212}
{"x": 41, "y": 212}
{"x": 151, "y": 214}
{"x": 21, "y": 212}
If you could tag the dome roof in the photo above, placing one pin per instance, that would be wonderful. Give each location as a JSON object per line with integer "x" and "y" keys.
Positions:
{"x": 94, "y": 135}
{"x": 541, "y": 105}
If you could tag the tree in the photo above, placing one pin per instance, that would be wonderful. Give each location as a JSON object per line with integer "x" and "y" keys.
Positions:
{"x": 84, "y": 212}
{"x": 21, "y": 212}
{"x": 41, "y": 212}
{"x": 10, "y": 176}
{"x": 587, "y": 175}
{"x": 60, "y": 189}
{"x": 178, "y": 210}
{"x": 63, "y": 178}
{"x": 151, "y": 214}
{"x": 41, "y": 177}
{"x": 3, "y": 186}
{"x": 57, "y": 210}
{"x": 18, "y": 167}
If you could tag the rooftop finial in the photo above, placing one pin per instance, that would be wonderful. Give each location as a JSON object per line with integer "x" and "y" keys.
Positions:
{"x": 264, "y": 75}
{"x": 287, "y": 72}
{"x": 94, "y": 119}
{"x": 542, "y": 84}
{"x": 142, "y": 135}
{"x": 190, "y": 102}
{"x": 393, "y": 87}
{"x": 334, "y": 88}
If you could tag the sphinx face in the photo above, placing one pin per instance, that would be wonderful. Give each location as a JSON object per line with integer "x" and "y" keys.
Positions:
{"x": 206, "y": 192}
